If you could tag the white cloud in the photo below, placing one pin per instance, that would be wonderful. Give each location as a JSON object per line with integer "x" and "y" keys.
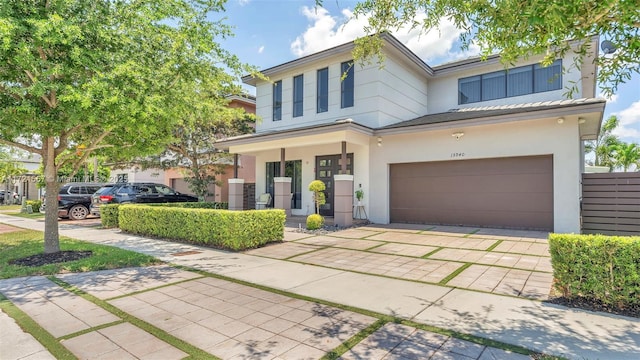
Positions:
{"x": 611, "y": 99}
{"x": 260, "y": 49}
{"x": 629, "y": 122}
{"x": 243, "y": 2}
{"x": 326, "y": 31}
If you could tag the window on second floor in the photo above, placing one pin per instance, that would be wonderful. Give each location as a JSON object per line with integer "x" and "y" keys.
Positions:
{"x": 298, "y": 95}
{"x": 346, "y": 85}
{"x": 322, "y": 100}
{"x": 513, "y": 82}
{"x": 277, "y": 100}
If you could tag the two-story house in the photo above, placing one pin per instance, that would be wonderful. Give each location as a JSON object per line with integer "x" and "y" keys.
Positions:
{"x": 464, "y": 143}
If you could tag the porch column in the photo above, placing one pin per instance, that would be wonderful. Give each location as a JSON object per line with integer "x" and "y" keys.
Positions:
{"x": 235, "y": 166}
{"x": 282, "y": 194}
{"x": 343, "y": 200}
{"x": 236, "y": 194}
{"x": 343, "y": 158}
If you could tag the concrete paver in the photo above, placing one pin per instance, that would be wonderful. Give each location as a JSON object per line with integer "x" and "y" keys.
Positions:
{"x": 16, "y": 344}
{"x": 55, "y": 309}
{"x": 425, "y": 270}
{"x": 283, "y": 251}
{"x": 575, "y": 334}
{"x": 395, "y": 341}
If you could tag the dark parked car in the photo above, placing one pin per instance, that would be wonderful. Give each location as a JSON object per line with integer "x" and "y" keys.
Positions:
{"x": 74, "y": 200}
{"x": 12, "y": 198}
{"x": 122, "y": 193}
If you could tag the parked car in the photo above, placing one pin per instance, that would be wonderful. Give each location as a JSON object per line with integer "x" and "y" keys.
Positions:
{"x": 122, "y": 193}
{"x": 13, "y": 197}
{"x": 74, "y": 200}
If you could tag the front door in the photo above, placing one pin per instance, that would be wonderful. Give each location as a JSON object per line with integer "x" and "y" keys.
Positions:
{"x": 326, "y": 167}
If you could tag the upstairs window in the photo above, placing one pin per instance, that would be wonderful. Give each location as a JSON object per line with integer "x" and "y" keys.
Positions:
{"x": 277, "y": 100}
{"x": 518, "y": 81}
{"x": 346, "y": 85}
{"x": 298, "y": 95}
{"x": 322, "y": 100}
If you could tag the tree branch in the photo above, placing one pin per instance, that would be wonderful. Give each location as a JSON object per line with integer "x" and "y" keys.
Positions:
{"x": 28, "y": 148}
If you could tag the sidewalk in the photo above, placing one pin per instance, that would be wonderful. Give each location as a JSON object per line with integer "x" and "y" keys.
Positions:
{"x": 572, "y": 333}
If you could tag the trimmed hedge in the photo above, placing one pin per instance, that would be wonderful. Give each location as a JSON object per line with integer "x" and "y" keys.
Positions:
{"x": 234, "y": 230}
{"x": 109, "y": 212}
{"x": 109, "y": 215}
{"x": 35, "y": 205}
{"x": 597, "y": 267}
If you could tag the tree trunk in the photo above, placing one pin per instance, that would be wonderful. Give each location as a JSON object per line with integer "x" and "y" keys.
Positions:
{"x": 51, "y": 235}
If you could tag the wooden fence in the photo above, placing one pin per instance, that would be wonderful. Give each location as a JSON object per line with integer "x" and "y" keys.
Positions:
{"x": 611, "y": 203}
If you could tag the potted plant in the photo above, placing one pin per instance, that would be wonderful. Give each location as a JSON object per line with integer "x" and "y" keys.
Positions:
{"x": 359, "y": 196}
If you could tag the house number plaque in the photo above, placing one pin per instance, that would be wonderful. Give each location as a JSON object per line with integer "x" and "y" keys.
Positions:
{"x": 457, "y": 154}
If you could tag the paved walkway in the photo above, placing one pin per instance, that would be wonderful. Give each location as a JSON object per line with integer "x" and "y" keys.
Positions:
{"x": 528, "y": 323}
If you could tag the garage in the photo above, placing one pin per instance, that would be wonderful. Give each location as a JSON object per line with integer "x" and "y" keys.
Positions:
{"x": 510, "y": 192}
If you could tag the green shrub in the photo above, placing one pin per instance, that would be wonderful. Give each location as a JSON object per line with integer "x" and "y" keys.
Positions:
{"x": 35, "y": 205}
{"x": 109, "y": 215}
{"x": 597, "y": 267}
{"x": 234, "y": 230}
{"x": 314, "y": 222}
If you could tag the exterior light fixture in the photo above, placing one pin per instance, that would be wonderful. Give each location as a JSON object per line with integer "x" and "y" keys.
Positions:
{"x": 581, "y": 121}
{"x": 379, "y": 140}
{"x": 560, "y": 120}
{"x": 457, "y": 135}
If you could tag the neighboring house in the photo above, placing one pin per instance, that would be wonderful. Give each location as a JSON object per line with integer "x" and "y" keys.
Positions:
{"x": 463, "y": 143}
{"x": 175, "y": 177}
{"x": 25, "y": 185}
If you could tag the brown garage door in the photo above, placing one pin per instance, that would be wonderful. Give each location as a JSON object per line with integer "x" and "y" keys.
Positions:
{"x": 514, "y": 192}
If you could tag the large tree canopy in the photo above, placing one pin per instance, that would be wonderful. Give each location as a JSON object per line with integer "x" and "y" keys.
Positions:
{"x": 104, "y": 77}
{"x": 517, "y": 29}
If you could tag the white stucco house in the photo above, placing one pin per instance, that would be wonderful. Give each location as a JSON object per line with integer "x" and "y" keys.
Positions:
{"x": 462, "y": 143}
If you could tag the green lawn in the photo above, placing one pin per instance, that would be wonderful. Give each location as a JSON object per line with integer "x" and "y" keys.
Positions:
{"x": 35, "y": 215}
{"x": 23, "y": 243}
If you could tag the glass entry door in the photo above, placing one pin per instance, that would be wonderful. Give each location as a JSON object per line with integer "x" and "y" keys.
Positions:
{"x": 292, "y": 169}
{"x": 326, "y": 167}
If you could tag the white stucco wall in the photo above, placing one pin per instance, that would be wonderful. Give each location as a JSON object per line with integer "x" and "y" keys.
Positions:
{"x": 381, "y": 96}
{"x": 443, "y": 90}
{"x": 535, "y": 137}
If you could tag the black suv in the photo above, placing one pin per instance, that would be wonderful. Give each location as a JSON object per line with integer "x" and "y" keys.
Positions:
{"x": 122, "y": 193}
{"x": 74, "y": 200}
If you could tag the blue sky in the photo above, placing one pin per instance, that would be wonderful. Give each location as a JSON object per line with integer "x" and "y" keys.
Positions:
{"x": 271, "y": 32}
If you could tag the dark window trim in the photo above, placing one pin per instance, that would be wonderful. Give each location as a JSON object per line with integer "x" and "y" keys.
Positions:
{"x": 347, "y": 85}
{"x": 322, "y": 97}
{"x": 506, "y": 82}
{"x": 298, "y": 95}
{"x": 277, "y": 100}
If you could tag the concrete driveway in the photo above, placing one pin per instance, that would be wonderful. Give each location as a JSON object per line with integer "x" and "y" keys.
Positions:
{"x": 500, "y": 261}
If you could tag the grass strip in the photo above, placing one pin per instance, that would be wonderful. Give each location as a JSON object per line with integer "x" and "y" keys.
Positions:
{"x": 353, "y": 341}
{"x": 152, "y": 289}
{"x": 454, "y": 274}
{"x": 35, "y": 215}
{"x": 194, "y": 352}
{"x": 376, "y": 246}
{"x": 426, "y": 256}
{"x": 30, "y": 326}
{"x": 495, "y": 245}
{"x": 95, "y": 328}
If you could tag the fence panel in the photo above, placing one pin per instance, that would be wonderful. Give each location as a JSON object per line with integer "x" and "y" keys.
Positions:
{"x": 611, "y": 203}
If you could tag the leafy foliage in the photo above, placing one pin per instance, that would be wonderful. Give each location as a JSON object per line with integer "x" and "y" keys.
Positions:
{"x": 314, "y": 222}
{"x": 35, "y": 205}
{"x": 518, "y": 29}
{"x": 98, "y": 77}
{"x": 599, "y": 267}
{"x": 626, "y": 156}
{"x": 234, "y": 230}
{"x": 604, "y": 145}
{"x": 318, "y": 187}
{"x": 109, "y": 215}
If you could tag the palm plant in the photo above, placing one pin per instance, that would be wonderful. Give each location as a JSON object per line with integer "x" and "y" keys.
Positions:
{"x": 604, "y": 146}
{"x": 627, "y": 155}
